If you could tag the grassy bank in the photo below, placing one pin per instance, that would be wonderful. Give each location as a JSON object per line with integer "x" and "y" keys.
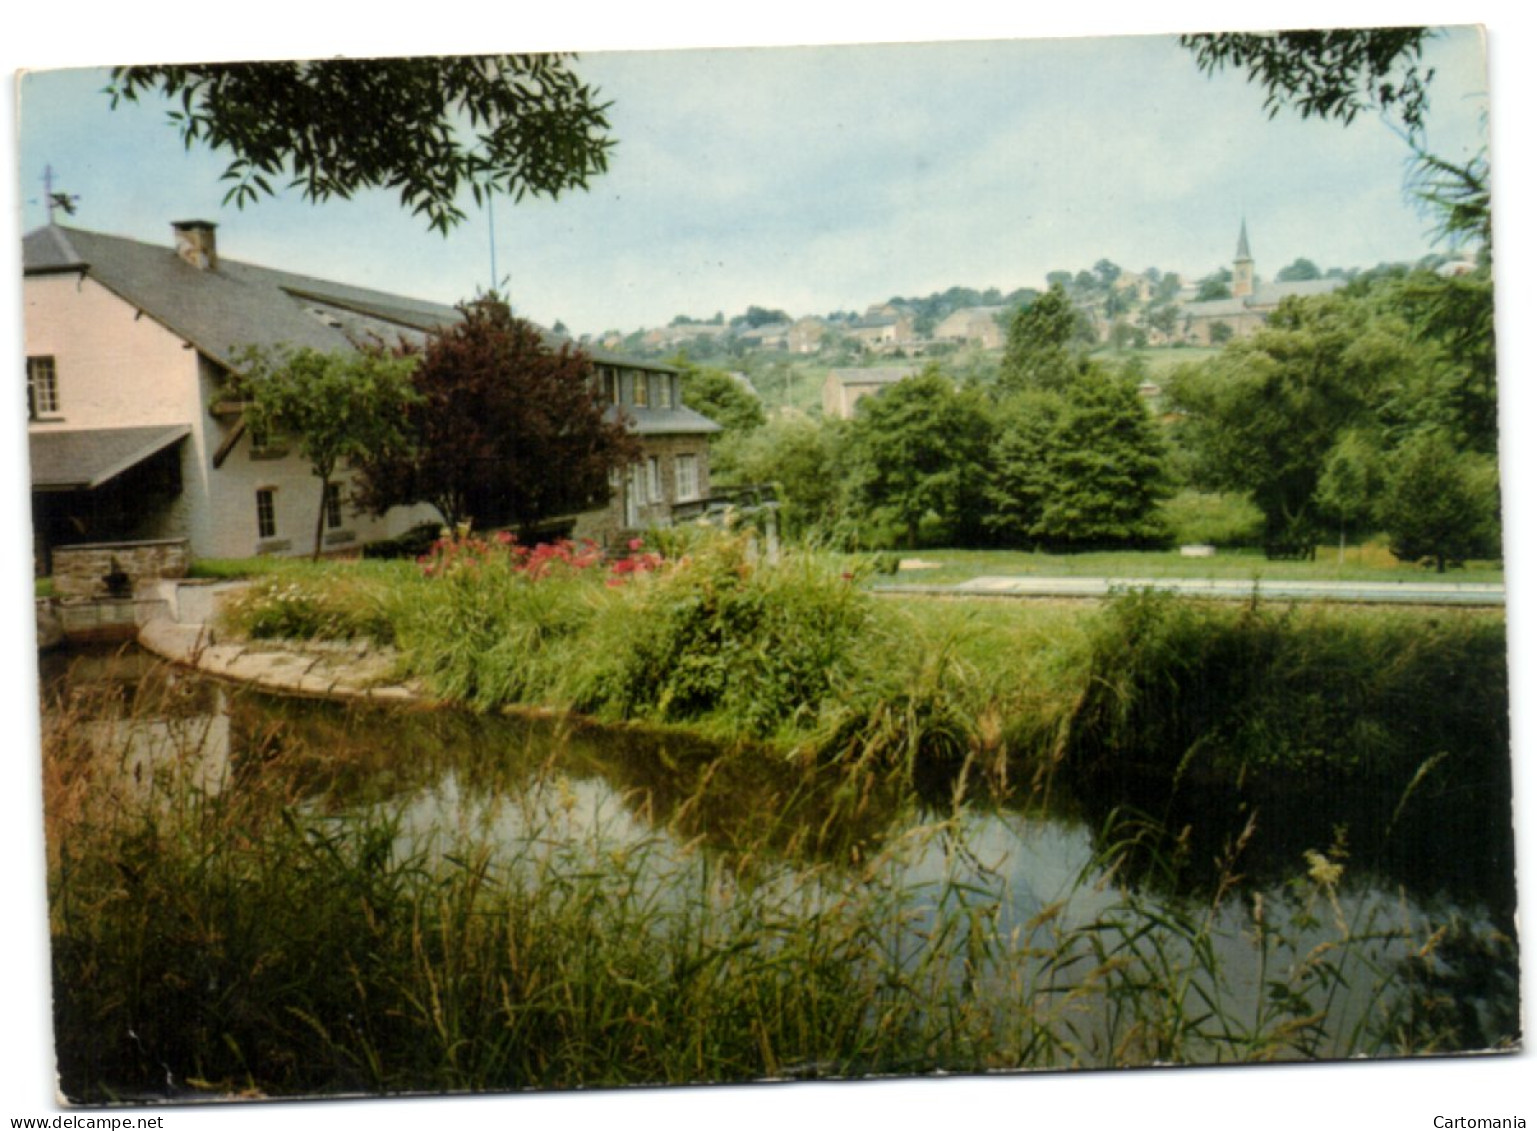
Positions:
{"x": 798, "y": 655}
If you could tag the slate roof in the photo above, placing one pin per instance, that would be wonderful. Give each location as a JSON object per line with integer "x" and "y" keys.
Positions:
{"x": 676, "y": 421}
{"x": 1266, "y": 296}
{"x": 81, "y": 459}
{"x": 236, "y": 305}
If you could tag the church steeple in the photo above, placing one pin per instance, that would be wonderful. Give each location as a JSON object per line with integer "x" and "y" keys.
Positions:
{"x": 1243, "y": 264}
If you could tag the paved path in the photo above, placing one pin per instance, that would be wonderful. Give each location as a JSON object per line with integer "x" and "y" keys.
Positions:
{"x": 1364, "y": 592}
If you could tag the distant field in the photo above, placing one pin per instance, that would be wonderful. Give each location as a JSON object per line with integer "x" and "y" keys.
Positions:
{"x": 1361, "y": 563}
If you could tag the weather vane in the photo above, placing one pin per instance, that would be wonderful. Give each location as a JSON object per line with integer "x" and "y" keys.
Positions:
{"x": 56, "y": 200}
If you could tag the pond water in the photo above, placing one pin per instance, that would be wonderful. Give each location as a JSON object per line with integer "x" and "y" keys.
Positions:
{"x": 1253, "y": 903}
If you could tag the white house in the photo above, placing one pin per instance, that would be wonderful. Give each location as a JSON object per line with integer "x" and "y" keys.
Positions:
{"x": 129, "y": 346}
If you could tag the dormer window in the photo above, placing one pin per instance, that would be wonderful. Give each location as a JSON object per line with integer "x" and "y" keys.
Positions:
{"x": 642, "y": 390}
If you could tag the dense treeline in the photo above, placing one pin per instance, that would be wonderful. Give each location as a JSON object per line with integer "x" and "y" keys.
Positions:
{"x": 1369, "y": 410}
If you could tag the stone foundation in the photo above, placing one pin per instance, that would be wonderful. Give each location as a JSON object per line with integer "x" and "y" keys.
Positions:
{"x": 83, "y": 571}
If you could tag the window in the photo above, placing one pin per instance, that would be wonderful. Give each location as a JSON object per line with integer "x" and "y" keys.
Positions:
{"x": 333, "y": 506}
{"x": 42, "y": 388}
{"x": 266, "y": 513}
{"x": 610, "y": 379}
{"x": 654, "y": 479}
{"x": 664, "y": 391}
{"x": 642, "y": 397}
{"x": 687, "y": 471}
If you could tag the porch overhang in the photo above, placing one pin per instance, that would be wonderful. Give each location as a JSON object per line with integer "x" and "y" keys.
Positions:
{"x": 84, "y": 459}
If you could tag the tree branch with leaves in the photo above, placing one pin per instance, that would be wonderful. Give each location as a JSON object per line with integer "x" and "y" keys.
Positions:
{"x": 428, "y": 128}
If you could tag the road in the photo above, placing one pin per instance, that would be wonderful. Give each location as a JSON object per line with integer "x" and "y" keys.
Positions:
{"x": 1355, "y": 592}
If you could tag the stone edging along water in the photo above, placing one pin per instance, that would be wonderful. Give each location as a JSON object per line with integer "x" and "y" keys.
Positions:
{"x": 355, "y": 671}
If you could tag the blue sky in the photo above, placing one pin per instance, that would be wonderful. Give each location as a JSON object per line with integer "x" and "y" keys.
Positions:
{"x": 954, "y": 170}
{"x": 822, "y": 178}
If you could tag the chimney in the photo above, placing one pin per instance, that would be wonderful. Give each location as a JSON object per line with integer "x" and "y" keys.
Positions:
{"x": 195, "y": 243}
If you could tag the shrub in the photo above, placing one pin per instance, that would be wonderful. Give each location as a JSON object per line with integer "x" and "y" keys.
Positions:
{"x": 721, "y": 631}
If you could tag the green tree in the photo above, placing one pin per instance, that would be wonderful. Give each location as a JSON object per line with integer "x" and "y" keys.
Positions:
{"x": 1439, "y": 503}
{"x": 1219, "y": 284}
{"x": 1042, "y": 350}
{"x": 1017, "y": 486}
{"x": 506, "y": 428}
{"x": 1299, "y": 270}
{"x": 720, "y": 396}
{"x": 1263, "y": 416}
{"x": 333, "y": 127}
{"x": 1163, "y": 317}
{"x": 918, "y": 448}
{"x": 1104, "y": 468}
{"x": 800, "y": 457}
{"x": 1350, "y": 483}
{"x": 757, "y": 316}
{"x": 338, "y": 407}
{"x": 1453, "y": 316}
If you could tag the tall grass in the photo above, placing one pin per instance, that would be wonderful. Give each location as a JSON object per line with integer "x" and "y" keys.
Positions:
{"x": 1305, "y": 696}
{"x": 249, "y": 933}
{"x": 1399, "y": 719}
{"x": 795, "y": 653}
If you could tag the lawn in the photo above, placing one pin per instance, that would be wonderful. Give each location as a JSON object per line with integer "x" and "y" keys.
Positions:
{"x": 1369, "y": 562}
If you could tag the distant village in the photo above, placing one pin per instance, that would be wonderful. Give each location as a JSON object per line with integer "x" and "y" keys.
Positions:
{"x": 1117, "y": 308}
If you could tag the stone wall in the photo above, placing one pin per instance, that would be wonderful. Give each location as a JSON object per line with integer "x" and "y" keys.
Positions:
{"x": 608, "y": 527}
{"x": 81, "y": 571}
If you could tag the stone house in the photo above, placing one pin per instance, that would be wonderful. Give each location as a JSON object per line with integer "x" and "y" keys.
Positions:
{"x": 883, "y": 329}
{"x": 806, "y": 335}
{"x": 976, "y": 325}
{"x": 843, "y": 388}
{"x": 132, "y": 437}
{"x": 769, "y": 336}
{"x": 674, "y": 466}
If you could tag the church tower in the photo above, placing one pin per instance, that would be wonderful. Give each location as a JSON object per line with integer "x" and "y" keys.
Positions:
{"x": 1243, "y": 264}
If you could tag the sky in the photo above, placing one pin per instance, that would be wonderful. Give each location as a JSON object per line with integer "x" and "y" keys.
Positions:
{"x": 843, "y": 178}
{"x": 814, "y": 179}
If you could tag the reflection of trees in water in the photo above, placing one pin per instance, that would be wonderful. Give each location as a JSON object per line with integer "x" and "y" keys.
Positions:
{"x": 736, "y": 799}
{"x": 1436, "y": 837}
